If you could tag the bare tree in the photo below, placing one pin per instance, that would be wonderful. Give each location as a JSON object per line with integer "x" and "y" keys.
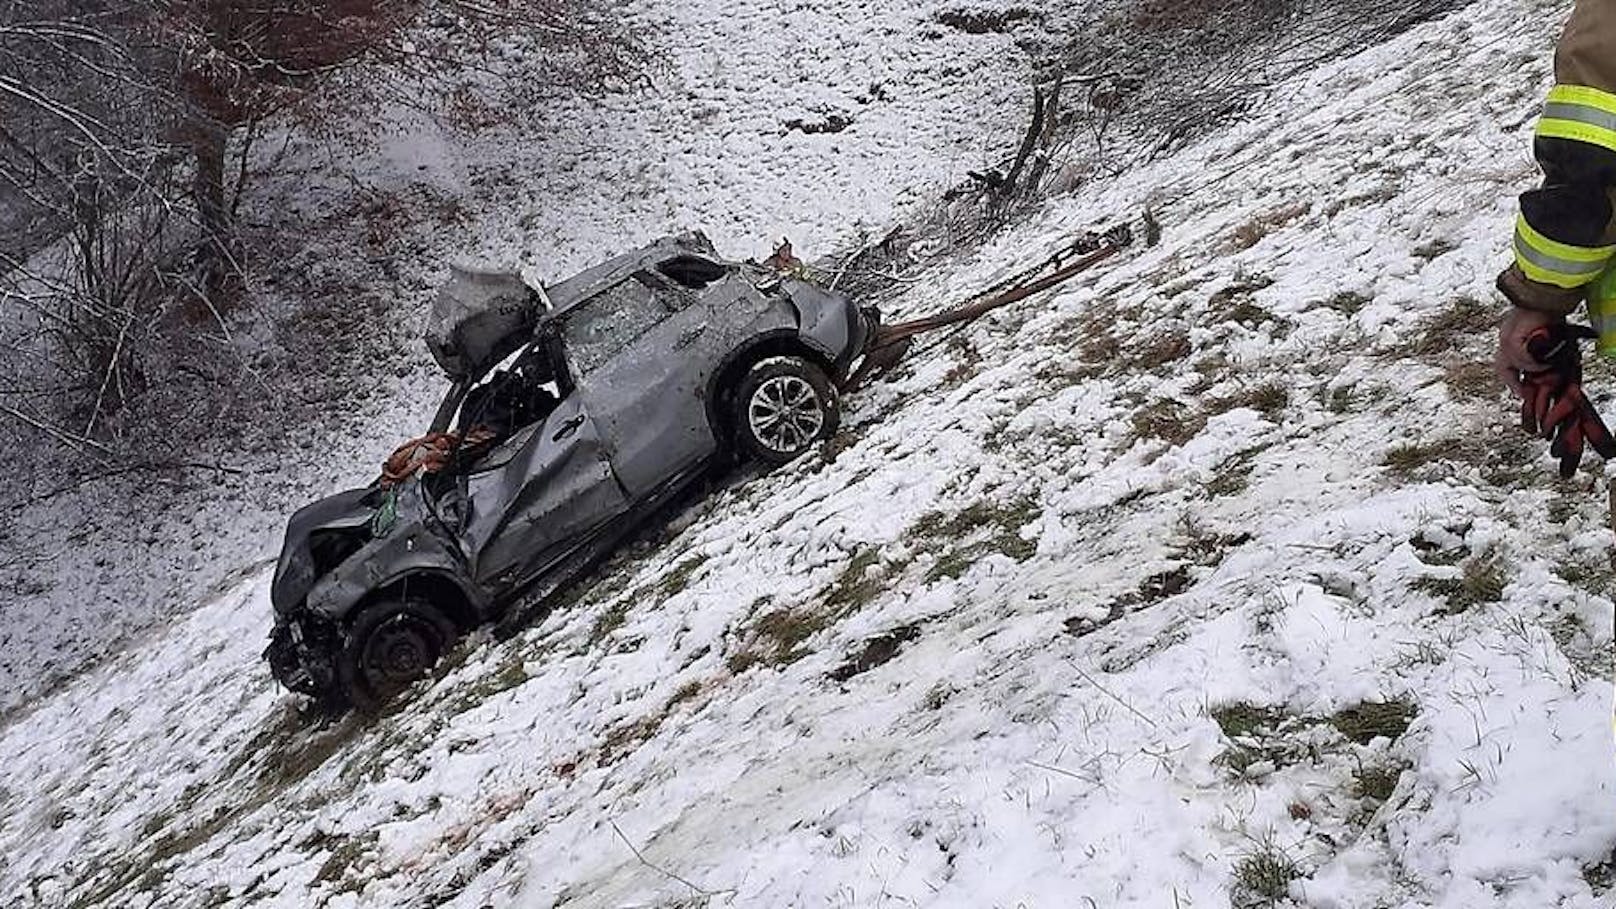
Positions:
{"x": 126, "y": 132}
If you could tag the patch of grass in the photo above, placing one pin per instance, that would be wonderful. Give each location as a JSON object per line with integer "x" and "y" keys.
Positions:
{"x": 1585, "y": 654}
{"x": 1231, "y": 479}
{"x": 1264, "y": 736}
{"x": 1234, "y": 476}
{"x": 1167, "y": 420}
{"x": 1376, "y": 782}
{"x": 1435, "y": 552}
{"x": 1465, "y": 319}
{"x": 1368, "y": 721}
{"x": 346, "y": 853}
{"x": 1481, "y": 581}
{"x": 1082, "y": 626}
{"x": 678, "y": 577}
{"x": 777, "y": 639}
{"x": 952, "y": 565}
{"x": 877, "y": 651}
{"x": 1601, "y": 877}
{"x": 981, "y": 22}
{"x": 1248, "y": 314}
{"x": 1240, "y": 720}
{"x": 1508, "y": 462}
{"x": 995, "y": 527}
{"x": 1596, "y": 579}
{"x": 1340, "y": 400}
{"x": 1408, "y": 458}
{"x": 609, "y": 621}
{"x": 1163, "y": 586}
{"x": 507, "y": 675}
{"x": 854, "y": 587}
{"x": 622, "y": 739}
{"x": 1269, "y": 399}
{"x": 1236, "y": 302}
{"x": 1263, "y": 878}
{"x": 1100, "y": 350}
{"x": 1151, "y": 591}
{"x": 970, "y": 360}
{"x": 1264, "y": 223}
{"x": 1165, "y": 348}
{"x": 1471, "y": 380}
{"x": 1347, "y": 302}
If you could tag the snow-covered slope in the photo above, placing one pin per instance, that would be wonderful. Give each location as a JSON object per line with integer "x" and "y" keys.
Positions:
{"x": 731, "y": 134}
{"x": 1215, "y": 576}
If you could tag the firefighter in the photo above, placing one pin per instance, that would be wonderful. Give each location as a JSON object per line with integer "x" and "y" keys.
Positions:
{"x": 1565, "y": 245}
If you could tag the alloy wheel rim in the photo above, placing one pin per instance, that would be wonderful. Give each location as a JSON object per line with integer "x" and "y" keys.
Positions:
{"x": 785, "y": 414}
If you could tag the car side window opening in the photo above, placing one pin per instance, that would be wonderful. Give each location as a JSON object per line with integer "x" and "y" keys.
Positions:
{"x": 521, "y": 394}
{"x": 610, "y": 322}
{"x": 692, "y": 272}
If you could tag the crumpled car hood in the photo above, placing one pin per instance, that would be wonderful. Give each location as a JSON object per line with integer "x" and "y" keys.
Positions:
{"x": 295, "y": 572}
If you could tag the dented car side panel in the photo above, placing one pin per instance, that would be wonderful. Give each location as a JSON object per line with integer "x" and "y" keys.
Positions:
{"x": 653, "y": 397}
{"x": 525, "y": 512}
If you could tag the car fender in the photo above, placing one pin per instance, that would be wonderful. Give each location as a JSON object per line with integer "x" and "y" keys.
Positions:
{"x": 408, "y": 551}
{"x": 828, "y": 321}
{"x": 778, "y": 342}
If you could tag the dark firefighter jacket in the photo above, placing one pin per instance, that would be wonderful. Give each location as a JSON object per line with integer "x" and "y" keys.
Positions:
{"x": 1565, "y": 238}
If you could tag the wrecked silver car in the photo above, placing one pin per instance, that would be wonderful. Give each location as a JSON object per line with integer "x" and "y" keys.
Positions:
{"x": 574, "y": 413}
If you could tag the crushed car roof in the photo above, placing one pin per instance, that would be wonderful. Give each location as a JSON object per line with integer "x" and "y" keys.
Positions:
{"x": 485, "y": 313}
{"x": 568, "y": 293}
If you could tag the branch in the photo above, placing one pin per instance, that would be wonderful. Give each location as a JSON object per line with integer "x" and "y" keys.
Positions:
{"x": 660, "y": 870}
{"x": 77, "y": 443}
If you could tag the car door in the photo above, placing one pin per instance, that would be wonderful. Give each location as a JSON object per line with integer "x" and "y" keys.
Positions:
{"x": 538, "y": 494}
{"x": 634, "y": 353}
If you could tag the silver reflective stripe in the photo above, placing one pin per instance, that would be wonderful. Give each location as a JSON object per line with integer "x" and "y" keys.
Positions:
{"x": 1580, "y": 113}
{"x": 1556, "y": 264}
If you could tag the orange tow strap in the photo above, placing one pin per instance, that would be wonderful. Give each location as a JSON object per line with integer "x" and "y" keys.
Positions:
{"x": 430, "y": 453}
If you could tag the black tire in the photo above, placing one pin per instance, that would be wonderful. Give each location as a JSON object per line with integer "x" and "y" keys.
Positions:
{"x": 389, "y": 647}
{"x": 800, "y": 398}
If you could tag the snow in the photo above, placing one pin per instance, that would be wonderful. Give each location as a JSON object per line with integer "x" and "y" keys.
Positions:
{"x": 1050, "y": 736}
{"x": 705, "y": 145}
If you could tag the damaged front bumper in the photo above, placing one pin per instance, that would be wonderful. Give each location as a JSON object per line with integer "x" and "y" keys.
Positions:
{"x": 301, "y": 655}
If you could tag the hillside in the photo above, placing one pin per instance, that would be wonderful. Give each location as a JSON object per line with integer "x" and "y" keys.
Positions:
{"x": 1217, "y": 577}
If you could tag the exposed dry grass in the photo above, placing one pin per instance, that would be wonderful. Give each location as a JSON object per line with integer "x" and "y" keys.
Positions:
{"x": 1481, "y": 581}
{"x": 1264, "y": 223}
{"x": 1168, "y": 420}
{"x": 1363, "y": 723}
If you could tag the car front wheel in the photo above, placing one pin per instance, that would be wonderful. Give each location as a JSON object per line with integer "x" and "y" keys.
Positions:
{"x": 389, "y": 647}
{"x": 785, "y": 405}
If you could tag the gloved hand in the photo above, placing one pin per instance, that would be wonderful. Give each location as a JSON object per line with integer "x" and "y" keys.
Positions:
{"x": 1513, "y": 359}
{"x": 1553, "y": 404}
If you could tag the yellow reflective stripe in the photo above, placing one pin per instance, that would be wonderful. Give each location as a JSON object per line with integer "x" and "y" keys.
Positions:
{"x": 1583, "y": 96}
{"x": 1573, "y": 131}
{"x": 1549, "y": 261}
{"x": 1563, "y": 251}
{"x": 1580, "y": 114}
{"x": 1602, "y": 311}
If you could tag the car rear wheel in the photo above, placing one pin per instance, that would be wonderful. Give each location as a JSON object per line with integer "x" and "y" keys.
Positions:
{"x": 784, "y": 407}
{"x": 389, "y": 647}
